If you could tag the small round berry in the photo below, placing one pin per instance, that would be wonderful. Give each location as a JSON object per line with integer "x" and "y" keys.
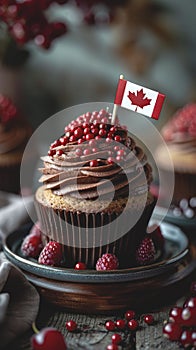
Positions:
{"x": 148, "y": 319}
{"x": 102, "y": 132}
{"x": 112, "y": 347}
{"x": 172, "y": 331}
{"x": 86, "y": 130}
{"x": 117, "y": 138}
{"x": 94, "y": 163}
{"x": 59, "y": 152}
{"x": 72, "y": 138}
{"x": 51, "y": 152}
{"x": 80, "y": 266}
{"x": 129, "y": 315}
{"x": 188, "y": 338}
{"x": 110, "y": 325}
{"x": 86, "y": 152}
{"x": 116, "y": 338}
{"x": 89, "y": 137}
{"x": 175, "y": 314}
{"x": 121, "y": 324}
{"x": 78, "y": 133}
{"x": 133, "y": 325}
{"x": 71, "y": 325}
{"x": 111, "y": 160}
{"x": 78, "y": 152}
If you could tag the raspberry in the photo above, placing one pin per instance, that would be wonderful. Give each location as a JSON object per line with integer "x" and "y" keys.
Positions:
{"x": 107, "y": 262}
{"x": 51, "y": 254}
{"x": 32, "y": 243}
{"x": 145, "y": 254}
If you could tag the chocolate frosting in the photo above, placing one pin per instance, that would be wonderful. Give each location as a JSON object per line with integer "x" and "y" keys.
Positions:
{"x": 69, "y": 174}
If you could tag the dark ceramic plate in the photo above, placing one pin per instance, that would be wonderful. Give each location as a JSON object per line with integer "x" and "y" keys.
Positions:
{"x": 176, "y": 249}
{"x": 181, "y": 221}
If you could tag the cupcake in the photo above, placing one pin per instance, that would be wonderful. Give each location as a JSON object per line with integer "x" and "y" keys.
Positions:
{"x": 95, "y": 196}
{"x": 14, "y": 135}
{"x": 180, "y": 136}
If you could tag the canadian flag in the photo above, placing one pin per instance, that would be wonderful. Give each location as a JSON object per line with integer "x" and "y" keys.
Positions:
{"x": 139, "y": 99}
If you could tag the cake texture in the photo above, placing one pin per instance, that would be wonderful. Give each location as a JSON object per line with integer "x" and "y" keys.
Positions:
{"x": 14, "y": 135}
{"x": 180, "y": 136}
{"x": 92, "y": 175}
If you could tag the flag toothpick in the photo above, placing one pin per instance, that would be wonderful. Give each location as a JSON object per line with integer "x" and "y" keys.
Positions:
{"x": 138, "y": 99}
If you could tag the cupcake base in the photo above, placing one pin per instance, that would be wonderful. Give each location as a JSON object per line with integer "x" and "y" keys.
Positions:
{"x": 85, "y": 236}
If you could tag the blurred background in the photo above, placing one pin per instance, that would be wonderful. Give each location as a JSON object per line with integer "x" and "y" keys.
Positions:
{"x": 55, "y": 54}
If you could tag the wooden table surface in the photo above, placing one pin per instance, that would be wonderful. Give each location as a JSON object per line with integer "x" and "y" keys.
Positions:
{"x": 91, "y": 333}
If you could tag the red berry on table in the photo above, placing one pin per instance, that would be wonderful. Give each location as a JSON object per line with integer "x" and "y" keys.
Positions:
{"x": 51, "y": 254}
{"x": 175, "y": 314}
{"x": 48, "y": 339}
{"x": 107, "y": 262}
{"x": 71, "y": 325}
{"x": 129, "y": 315}
{"x": 133, "y": 325}
{"x": 32, "y": 243}
{"x": 148, "y": 319}
{"x": 110, "y": 325}
{"x": 188, "y": 338}
{"x": 121, "y": 324}
{"x": 189, "y": 317}
{"x": 172, "y": 331}
{"x": 116, "y": 338}
{"x": 112, "y": 347}
{"x": 80, "y": 266}
{"x": 145, "y": 253}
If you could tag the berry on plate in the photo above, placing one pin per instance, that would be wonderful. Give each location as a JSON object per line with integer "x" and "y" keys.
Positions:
{"x": 51, "y": 254}
{"x": 145, "y": 253}
{"x": 32, "y": 243}
{"x": 107, "y": 262}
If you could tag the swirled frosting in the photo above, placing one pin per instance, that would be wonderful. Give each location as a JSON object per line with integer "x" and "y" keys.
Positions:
{"x": 97, "y": 167}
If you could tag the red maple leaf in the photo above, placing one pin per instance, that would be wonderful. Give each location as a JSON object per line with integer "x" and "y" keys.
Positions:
{"x": 139, "y": 99}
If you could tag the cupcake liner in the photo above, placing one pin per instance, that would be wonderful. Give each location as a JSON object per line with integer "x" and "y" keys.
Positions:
{"x": 86, "y": 236}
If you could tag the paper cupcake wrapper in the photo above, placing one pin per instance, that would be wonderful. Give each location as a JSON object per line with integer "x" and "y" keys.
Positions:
{"x": 65, "y": 227}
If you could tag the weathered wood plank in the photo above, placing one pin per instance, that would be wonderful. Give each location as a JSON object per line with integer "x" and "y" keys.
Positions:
{"x": 151, "y": 337}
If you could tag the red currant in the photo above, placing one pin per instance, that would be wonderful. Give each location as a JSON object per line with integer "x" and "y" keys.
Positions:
{"x": 93, "y": 163}
{"x": 78, "y": 133}
{"x": 121, "y": 324}
{"x": 129, "y": 315}
{"x": 117, "y": 138}
{"x": 110, "y": 325}
{"x": 112, "y": 347}
{"x": 86, "y": 152}
{"x": 116, "y": 338}
{"x": 172, "y": 331}
{"x": 133, "y": 325}
{"x": 149, "y": 319}
{"x": 175, "y": 314}
{"x": 80, "y": 266}
{"x": 71, "y": 325}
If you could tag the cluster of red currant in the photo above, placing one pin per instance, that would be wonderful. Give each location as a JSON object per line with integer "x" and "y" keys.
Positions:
{"x": 8, "y": 110}
{"x": 48, "y": 337}
{"x": 181, "y": 326}
{"x": 89, "y": 129}
{"x": 129, "y": 322}
{"x": 26, "y": 20}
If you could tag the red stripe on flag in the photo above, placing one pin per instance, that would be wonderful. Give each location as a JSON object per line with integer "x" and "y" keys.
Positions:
{"x": 157, "y": 107}
{"x": 120, "y": 91}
